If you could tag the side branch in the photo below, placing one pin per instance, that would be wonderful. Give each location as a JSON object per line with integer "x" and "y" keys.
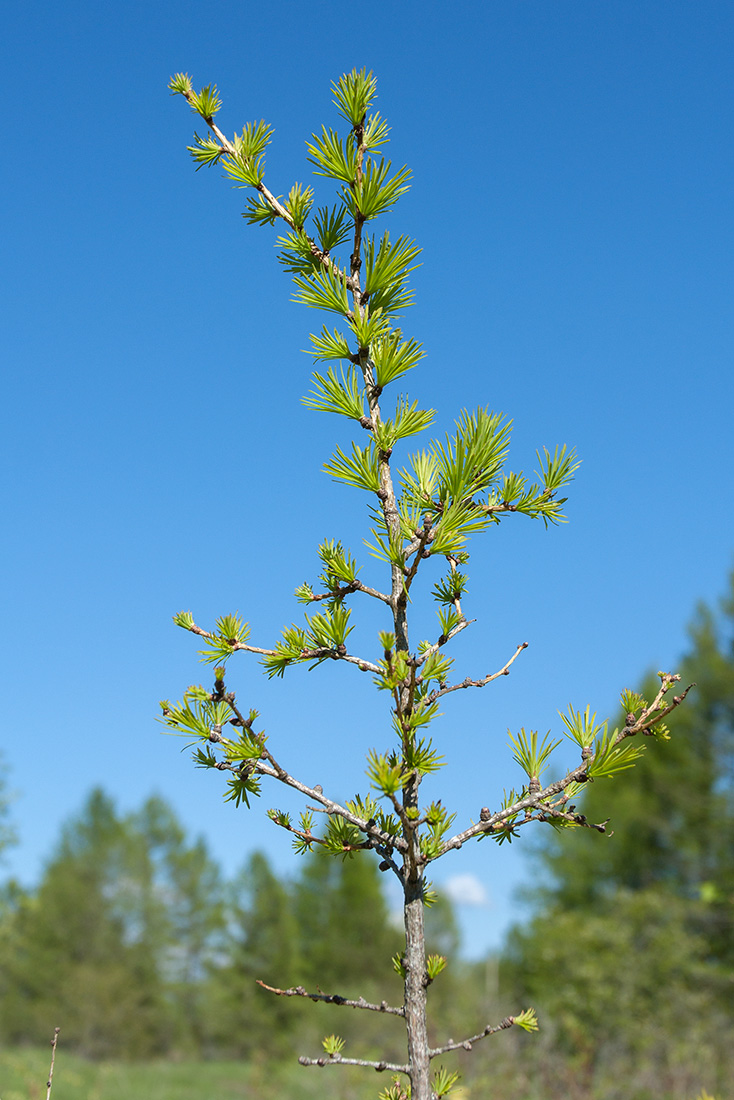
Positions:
{"x": 466, "y": 1044}
{"x": 385, "y": 854}
{"x": 335, "y": 654}
{"x": 228, "y": 149}
{"x": 347, "y": 589}
{"x": 333, "y": 999}
{"x": 201, "y": 633}
{"x": 275, "y": 771}
{"x": 380, "y": 839}
{"x": 382, "y": 843}
{"x": 468, "y": 682}
{"x": 442, "y": 641}
{"x": 420, "y": 546}
{"x": 337, "y": 1060}
{"x": 331, "y": 654}
{"x": 549, "y": 809}
{"x": 497, "y": 821}
{"x": 539, "y": 800}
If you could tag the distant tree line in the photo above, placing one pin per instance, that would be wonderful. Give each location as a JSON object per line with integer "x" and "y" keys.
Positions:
{"x": 629, "y": 959}
{"x": 134, "y": 941}
{"x": 136, "y": 944}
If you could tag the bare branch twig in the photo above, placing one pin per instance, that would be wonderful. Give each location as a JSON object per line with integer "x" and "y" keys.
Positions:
{"x": 373, "y": 592}
{"x": 443, "y": 640}
{"x": 334, "y": 999}
{"x": 466, "y": 1044}
{"x": 337, "y": 1060}
{"x": 468, "y": 682}
{"x": 50, "y": 1081}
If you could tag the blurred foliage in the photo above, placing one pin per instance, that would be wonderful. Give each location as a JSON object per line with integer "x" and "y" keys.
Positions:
{"x": 673, "y": 818}
{"x": 81, "y": 948}
{"x": 630, "y": 955}
{"x": 243, "y": 1018}
{"x": 7, "y": 833}
{"x": 137, "y": 948}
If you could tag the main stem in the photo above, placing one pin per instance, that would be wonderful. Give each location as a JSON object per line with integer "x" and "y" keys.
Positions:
{"x": 414, "y": 961}
{"x": 414, "y": 957}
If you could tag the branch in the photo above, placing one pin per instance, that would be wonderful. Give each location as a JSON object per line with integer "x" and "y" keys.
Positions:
{"x": 388, "y": 503}
{"x": 307, "y": 837}
{"x": 648, "y": 717}
{"x": 228, "y": 148}
{"x": 535, "y": 799}
{"x": 335, "y": 654}
{"x": 388, "y": 863}
{"x": 201, "y": 633}
{"x": 420, "y": 546}
{"x": 371, "y": 830}
{"x": 494, "y": 822}
{"x": 444, "y": 639}
{"x": 382, "y": 843}
{"x": 336, "y": 1060}
{"x": 49, "y": 1083}
{"x": 468, "y": 682}
{"x": 275, "y": 771}
{"x": 353, "y": 586}
{"x": 373, "y": 592}
{"x": 486, "y": 509}
{"x": 546, "y": 810}
{"x": 333, "y": 999}
{"x": 490, "y": 509}
{"x": 408, "y": 825}
{"x": 466, "y": 1044}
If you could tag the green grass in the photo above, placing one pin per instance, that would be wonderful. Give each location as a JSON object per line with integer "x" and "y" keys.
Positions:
{"x": 23, "y": 1075}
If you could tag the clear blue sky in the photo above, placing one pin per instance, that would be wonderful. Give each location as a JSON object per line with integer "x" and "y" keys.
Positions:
{"x": 573, "y": 174}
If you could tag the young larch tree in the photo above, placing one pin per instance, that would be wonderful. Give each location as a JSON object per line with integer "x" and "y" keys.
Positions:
{"x": 447, "y": 492}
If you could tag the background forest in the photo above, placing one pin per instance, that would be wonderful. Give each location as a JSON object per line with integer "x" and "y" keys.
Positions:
{"x": 137, "y": 946}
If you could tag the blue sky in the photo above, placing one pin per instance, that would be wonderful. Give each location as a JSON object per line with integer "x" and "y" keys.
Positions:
{"x": 573, "y": 173}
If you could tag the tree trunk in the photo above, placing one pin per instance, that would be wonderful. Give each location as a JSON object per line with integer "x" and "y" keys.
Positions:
{"x": 414, "y": 961}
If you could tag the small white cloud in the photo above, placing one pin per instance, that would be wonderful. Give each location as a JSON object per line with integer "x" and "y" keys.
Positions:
{"x": 466, "y": 890}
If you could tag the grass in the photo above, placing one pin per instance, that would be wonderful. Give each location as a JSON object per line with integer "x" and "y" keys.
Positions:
{"x": 23, "y": 1075}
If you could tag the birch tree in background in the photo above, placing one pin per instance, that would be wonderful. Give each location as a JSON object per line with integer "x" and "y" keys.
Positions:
{"x": 424, "y": 505}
